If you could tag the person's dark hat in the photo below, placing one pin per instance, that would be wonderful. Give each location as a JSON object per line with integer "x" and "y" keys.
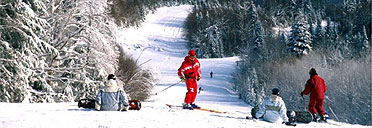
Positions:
{"x": 275, "y": 91}
{"x": 312, "y": 72}
{"x": 111, "y": 76}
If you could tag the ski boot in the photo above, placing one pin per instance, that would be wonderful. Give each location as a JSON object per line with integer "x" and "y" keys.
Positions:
{"x": 315, "y": 118}
{"x": 187, "y": 106}
{"x": 194, "y": 106}
{"x": 323, "y": 118}
{"x": 291, "y": 116}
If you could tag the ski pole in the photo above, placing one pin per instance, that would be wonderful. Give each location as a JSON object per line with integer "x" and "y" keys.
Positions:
{"x": 331, "y": 108}
{"x": 168, "y": 87}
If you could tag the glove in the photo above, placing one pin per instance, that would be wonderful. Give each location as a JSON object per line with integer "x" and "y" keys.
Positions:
{"x": 302, "y": 94}
{"x": 183, "y": 79}
{"x": 198, "y": 78}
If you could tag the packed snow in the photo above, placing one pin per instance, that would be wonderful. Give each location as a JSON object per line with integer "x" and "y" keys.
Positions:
{"x": 159, "y": 45}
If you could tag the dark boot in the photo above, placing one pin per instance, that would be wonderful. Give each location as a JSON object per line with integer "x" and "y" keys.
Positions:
{"x": 323, "y": 118}
{"x": 187, "y": 106}
{"x": 291, "y": 116}
{"x": 315, "y": 118}
{"x": 193, "y": 105}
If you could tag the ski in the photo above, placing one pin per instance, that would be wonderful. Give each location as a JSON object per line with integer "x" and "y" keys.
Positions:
{"x": 199, "y": 108}
{"x": 210, "y": 110}
{"x": 175, "y": 106}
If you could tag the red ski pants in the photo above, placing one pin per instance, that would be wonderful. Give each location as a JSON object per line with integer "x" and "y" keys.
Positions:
{"x": 316, "y": 105}
{"x": 192, "y": 90}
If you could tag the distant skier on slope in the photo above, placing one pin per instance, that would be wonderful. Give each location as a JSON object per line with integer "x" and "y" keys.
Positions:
{"x": 111, "y": 98}
{"x": 189, "y": 72}
{"x": 273, "y": 109}
{"x": 316, "y": 87}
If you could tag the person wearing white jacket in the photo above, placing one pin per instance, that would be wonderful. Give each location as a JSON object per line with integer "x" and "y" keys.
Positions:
{"x": 273, "y": 109}
{"x": 111, "y": 97}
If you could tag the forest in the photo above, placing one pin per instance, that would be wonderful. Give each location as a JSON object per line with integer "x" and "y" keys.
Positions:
{"x": 62, "y": 50}
{"x": 279, "y": 41}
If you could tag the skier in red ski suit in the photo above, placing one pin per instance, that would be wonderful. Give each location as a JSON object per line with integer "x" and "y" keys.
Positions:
{"x": 316, "y": 87}
{"x": 189, "y": 72}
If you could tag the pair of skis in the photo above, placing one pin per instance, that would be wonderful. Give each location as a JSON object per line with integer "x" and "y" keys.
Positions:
{"x": 214, "y": 111}
{"x": 199, "y": 108}
{"x": 288, "y": 124}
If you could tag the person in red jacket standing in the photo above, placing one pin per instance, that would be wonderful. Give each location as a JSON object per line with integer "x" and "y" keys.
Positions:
{"x": 190, "y": 73}
{"x": 316, "y": 87}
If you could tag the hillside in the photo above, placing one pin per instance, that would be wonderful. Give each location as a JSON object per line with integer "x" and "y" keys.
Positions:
{"x": 160, "y": 46}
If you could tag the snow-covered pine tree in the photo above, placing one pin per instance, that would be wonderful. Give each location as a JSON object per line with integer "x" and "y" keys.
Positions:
{"x": 311, "y": 28}
{"x": 258, "y": 35}
{"x": 364, "y": 42}
{"x": 299, "y": 42}
{"x": 24, "y": 52}
{"x": 252, "y": 16}
{"x": 62, "y": 46}
{"x": 349, "y": 5}
{"x": 328, "y": 29}
{"x": 319, "y": 32}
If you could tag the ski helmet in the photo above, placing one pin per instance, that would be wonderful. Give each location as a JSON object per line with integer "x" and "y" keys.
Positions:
{"x": 275, "y": 91}
{"x": 111, "y": 76}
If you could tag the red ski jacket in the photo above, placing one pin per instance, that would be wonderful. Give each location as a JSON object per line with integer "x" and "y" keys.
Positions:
{"x": 189, "y": 69}
{"x": 316, "y": 86}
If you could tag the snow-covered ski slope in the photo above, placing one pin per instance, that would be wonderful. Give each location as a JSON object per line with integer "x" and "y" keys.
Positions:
{"x": 161, "y": 44}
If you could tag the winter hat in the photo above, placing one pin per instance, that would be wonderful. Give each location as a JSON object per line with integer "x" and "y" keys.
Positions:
{"x": 192, "y": 52}
{"x": 312, "y": 72}
{"x": 111, "y": 76}
{"x": 275, "y": 91}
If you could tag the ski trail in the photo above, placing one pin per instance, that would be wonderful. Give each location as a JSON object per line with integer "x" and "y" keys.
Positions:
{"x": 165, "y": 30}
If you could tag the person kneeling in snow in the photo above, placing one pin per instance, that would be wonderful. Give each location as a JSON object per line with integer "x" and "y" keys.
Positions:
{"x": 111, "y": 97}
{"x": 273, "y": 109}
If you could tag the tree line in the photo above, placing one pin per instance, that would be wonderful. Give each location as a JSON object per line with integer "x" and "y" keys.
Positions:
{"x": 279, "y": 41}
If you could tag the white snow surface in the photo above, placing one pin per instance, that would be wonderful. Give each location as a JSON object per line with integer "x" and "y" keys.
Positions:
{"x": 161, "y": 37}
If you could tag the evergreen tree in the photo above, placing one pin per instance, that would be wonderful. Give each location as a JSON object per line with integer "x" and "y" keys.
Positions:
{"x": 249, "y": 23}
{"x": 363, "y": 39}
{"x": 349, "y": 5}
{"x": 311, "y": 28}
{"x": 319, "y": 32}
{"x": 257, "y": 40}
{"x": 300, "y": 39}
{"x": 328, "y": 29}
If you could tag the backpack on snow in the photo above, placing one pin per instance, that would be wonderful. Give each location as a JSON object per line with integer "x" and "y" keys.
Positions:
{"x": 90, "y": 103}
{"x": 134, "y": 105}
{"x": 87, "y": 103}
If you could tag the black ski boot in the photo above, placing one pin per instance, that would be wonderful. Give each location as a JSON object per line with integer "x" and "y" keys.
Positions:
{"x": 194, "y": 106}
{"x": 187, "y": 106}
{"x": 291, "y": 116}
{"x": 323, "y": 118}
{"x": 315, "y": 118}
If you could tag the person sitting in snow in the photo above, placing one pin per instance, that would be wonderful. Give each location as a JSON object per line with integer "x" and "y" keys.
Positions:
{"x": 111, "y": 97}
{"x": 189, "y": 72}
{"x": 273, "y": 109}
